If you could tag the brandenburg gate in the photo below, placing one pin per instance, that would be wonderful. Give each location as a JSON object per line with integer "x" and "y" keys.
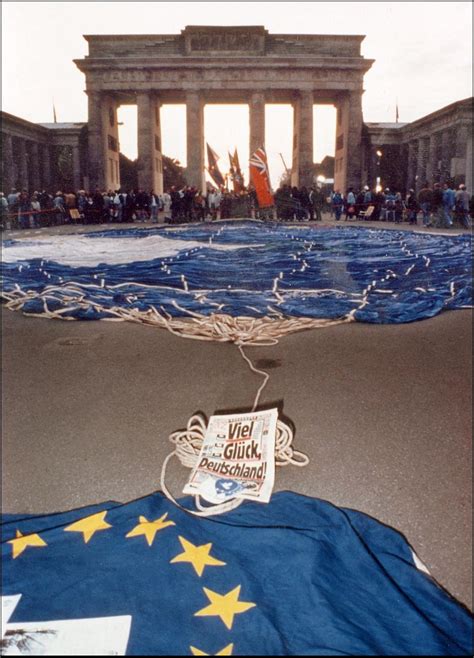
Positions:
{"x": 222, "y": 65}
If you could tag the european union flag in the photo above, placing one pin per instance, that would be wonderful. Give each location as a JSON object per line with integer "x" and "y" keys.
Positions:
{"x": 295, "y": 577}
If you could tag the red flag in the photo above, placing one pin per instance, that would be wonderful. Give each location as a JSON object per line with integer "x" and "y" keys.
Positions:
{"x": 236, "y": 173}
{"x": 213, "y": 169}
{"x": 260, "y": 178}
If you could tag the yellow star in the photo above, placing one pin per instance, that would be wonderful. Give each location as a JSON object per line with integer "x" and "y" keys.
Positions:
{"x": 89, "y": 525}
{"x": 150, "y": 528}
{"x": 224, "y": 606}
{"x": 226, "y": 651}
{"x": 23, "y": 541}
{"x": 198, "y": 556}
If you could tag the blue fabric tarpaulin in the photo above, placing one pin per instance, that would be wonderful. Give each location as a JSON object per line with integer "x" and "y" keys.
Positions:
{"x": 298, "y": 576}
{"x": 235, "y": 268}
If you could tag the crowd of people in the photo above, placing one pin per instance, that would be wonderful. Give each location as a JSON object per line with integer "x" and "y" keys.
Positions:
{"x": 21, "y": 210}
{"x": 438, "y": 205}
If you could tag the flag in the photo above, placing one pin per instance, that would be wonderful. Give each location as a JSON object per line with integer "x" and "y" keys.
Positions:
{"x": 213, "y": 168}
{"x": 298, "y": 576}
{"x": 236, "y": 172}
{"x": 260, "y": 178}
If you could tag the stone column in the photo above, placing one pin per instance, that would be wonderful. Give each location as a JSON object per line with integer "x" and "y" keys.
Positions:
{"x": 303, "y": 166}
{"x": 150, "y": 166}
{"x": 96, "y": 142}
{"x": 35, "y": 171}
{"x": 195, "y": 140}
{"x": 412, "y": 164}
{"x": 469, "y": 181}
{"x": 432, "y": 172}
{"x": 430, "y": 159}
{"x": 354, "y": 141}
{"x": 421, "y": 161}
{"x": 7, "y": 164}
{"x": 458, "y": 153}
{"x": 256, "y": 122}
{"x": 46, "y": 182}
{"x": 22, "y": 164}
{"x": 76, "y": 167}
{"x": 111, "y": 143}
{"x": 446, "y": 144}
{"x": 349, "y": 142}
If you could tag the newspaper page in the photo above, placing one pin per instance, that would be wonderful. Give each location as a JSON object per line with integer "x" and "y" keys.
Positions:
{"x": 237, "y": 458}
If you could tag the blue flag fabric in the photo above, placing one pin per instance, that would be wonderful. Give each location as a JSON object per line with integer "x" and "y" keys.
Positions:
{"x": 298, "y": 576}
{"x": 242, "y": 269}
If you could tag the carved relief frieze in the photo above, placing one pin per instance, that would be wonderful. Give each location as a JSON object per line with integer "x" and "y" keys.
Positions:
{"x": 234, "y": 41}
{"x": 126, "y": 76}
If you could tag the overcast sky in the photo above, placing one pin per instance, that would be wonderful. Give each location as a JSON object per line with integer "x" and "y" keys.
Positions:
{"x": 422, "y": 52}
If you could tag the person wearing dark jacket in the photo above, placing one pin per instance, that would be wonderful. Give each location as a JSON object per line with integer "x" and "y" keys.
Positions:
{"x": 412, "y": 206}
{"x": 437, "y": 206}
{"x": 98, "y": 207}
{"x": 425, "y": 198}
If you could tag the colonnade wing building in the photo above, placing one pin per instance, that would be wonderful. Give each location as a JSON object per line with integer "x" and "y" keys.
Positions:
{"x": 203, "y": 65}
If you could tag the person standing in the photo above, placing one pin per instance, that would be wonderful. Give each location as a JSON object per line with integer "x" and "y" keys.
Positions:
{"x": 97, "y": 207}
{"x": 462, "y": 206}
{"x": 399, "y": 207}
{"x": 175, "y": 204}
{"x": 337, "y": 204}
{"x": 449, "y": 201}
{"x": 24, "y": 210}
{"x": 317, "y": 204}
{"x": 36, "y": 210}
{"x": 154, "y": 207}
{"x": 3, "y": 211}
{"x": 360, "y": 203}
{"x": 412, "y": 207}
{"x": 59, "y": 210}
{"x": 166, "y": 203}
{"x": 214, "y": 203}
{"x": 425, "y": 199}
{"x": 200, "y": 207}
{"x": 368, "y": 197}
{"x": 437, "y": 206}
{"x": 350, "y": 204}
{"x": 389, "y": 205}
{"x": 378, "y": 201}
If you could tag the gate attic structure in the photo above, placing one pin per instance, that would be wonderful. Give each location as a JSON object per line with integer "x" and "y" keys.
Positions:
{"x": 203, "y": 65}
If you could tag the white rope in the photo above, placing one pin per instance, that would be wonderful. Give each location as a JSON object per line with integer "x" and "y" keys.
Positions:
{"x": 220, "y": 327}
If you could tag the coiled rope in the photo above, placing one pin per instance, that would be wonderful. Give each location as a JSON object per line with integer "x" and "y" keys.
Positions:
{"x": 188, "y": 444}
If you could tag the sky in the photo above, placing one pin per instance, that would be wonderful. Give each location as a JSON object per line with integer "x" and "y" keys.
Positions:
{"x": 422, "y": 52}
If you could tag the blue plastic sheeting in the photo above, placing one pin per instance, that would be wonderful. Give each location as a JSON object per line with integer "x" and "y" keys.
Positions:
{"x": 254, "y": 269}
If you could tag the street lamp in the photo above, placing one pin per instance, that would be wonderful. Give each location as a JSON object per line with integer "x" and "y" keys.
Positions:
{"x": 378, "y": 186}
{"x": 321, "y": 180}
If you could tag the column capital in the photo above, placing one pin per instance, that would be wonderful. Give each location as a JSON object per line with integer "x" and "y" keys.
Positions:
{"x": 257, "y": 97}
{"x": 194, "y": 94}
{"x": 303, "y": 95}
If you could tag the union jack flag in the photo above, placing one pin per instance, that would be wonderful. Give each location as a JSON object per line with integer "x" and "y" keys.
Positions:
{"x": 260, "y": 177}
